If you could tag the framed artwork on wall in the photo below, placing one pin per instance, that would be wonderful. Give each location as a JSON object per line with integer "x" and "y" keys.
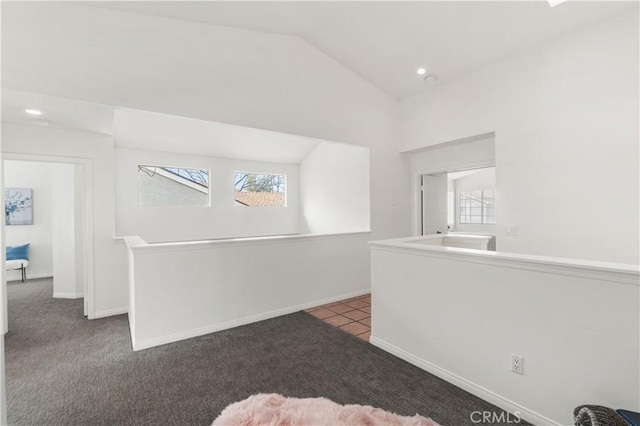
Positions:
{"x": 18, "y": 206}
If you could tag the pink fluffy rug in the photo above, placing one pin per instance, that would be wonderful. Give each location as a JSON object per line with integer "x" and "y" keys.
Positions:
{"x": 274, "y": 409}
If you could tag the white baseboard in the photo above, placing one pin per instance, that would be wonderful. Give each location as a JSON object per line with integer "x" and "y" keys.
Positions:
{"x": 477, "y": 390}
{"x": 59, "y": 295}
{"x": 188, "y": 334}
{"x": 110, "y": 312}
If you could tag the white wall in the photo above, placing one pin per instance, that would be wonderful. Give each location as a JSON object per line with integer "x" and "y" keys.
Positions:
{"x": 483, "y": 179}
{"x": 37, "y": 176}
{"x": 221, "y": 220}
{"x": 566, "y": 120}
{"x": 109, "y": 258}
{"x": 80, "y": 228}
{"x": 63, "y": 219}
{"x": 3, "y": 301}
{"x": 460, "y": 315}
{"x": 228, "y": 283}
{"x": 461, "y": 154}
{"x": 334, "y": 189}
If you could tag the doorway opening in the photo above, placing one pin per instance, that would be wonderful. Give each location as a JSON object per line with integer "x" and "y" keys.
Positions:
{"x": 458, "y": 201}
{"x": 59, "y": 232}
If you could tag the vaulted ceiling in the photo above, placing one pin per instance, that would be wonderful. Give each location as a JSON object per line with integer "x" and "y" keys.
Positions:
{"x": 206, "y": 59}
{"x": 386, "y": 41}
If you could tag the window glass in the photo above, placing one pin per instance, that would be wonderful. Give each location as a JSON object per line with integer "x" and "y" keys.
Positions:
{"x": 172, "y": 186}
{"x": 260, "y": 190}
{"x": 477, "y": 207}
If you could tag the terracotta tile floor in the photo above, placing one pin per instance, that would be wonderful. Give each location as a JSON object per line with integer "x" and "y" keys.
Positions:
{"x": 351, "y": 315}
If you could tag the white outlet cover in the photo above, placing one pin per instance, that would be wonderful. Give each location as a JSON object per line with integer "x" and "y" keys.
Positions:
{"x": 511, "y": 230}
{"x": 517, "y": 364}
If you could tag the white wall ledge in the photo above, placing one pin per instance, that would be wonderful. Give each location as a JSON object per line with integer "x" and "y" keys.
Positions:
{"x": 614, "y": 272}
{"x": 139, "y": 246}
{"x": 285, "y": 274}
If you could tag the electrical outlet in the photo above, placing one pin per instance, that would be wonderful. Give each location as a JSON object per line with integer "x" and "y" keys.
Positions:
{"x": 517, "y": 364}
{"x": 511, "y": 230}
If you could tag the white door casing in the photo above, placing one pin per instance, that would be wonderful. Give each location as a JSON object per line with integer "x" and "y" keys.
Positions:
{"x": 434, "y": 203}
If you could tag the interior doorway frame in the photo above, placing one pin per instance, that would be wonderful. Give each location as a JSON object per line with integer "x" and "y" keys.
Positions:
{"x": 416, "y": 190}
{"x": 88, "y": 234}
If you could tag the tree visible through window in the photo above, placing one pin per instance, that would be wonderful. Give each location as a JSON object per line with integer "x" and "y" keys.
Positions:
{"x": 478, "y": 207}
{"x": 201, "y": 177}
{"x": 259, "y": 190}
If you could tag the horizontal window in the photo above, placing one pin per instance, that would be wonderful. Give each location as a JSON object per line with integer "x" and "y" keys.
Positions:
{"x": 260, "y": 190}
{"x": 172, "y": 186}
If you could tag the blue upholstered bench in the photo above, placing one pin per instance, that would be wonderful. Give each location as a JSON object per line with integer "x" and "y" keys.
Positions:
{"x": 18, "y": 258}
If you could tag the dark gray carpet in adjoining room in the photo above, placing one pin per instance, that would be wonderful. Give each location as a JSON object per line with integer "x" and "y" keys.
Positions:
{"x": 65, "y": 370}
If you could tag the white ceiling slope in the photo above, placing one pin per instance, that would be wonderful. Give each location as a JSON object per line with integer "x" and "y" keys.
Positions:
{"x": 160, "y": 132}
{"x": 386, "y": 41}
{"x": 253, "y": 63}
{"x": 182, "y": 68}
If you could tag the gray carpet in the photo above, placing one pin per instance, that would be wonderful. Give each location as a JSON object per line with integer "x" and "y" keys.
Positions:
{"x": 63, "y": 369}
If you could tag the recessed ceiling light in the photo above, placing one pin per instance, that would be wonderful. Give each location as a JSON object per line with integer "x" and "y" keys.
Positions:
{"x": 431, "y": 78}
{"x": 33, "y": 112}
{"x": 554, "y": 3}
{"x": 421, "y": 71}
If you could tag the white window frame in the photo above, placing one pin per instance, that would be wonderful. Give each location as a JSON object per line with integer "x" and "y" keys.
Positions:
{"x": 467, "y": 219}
